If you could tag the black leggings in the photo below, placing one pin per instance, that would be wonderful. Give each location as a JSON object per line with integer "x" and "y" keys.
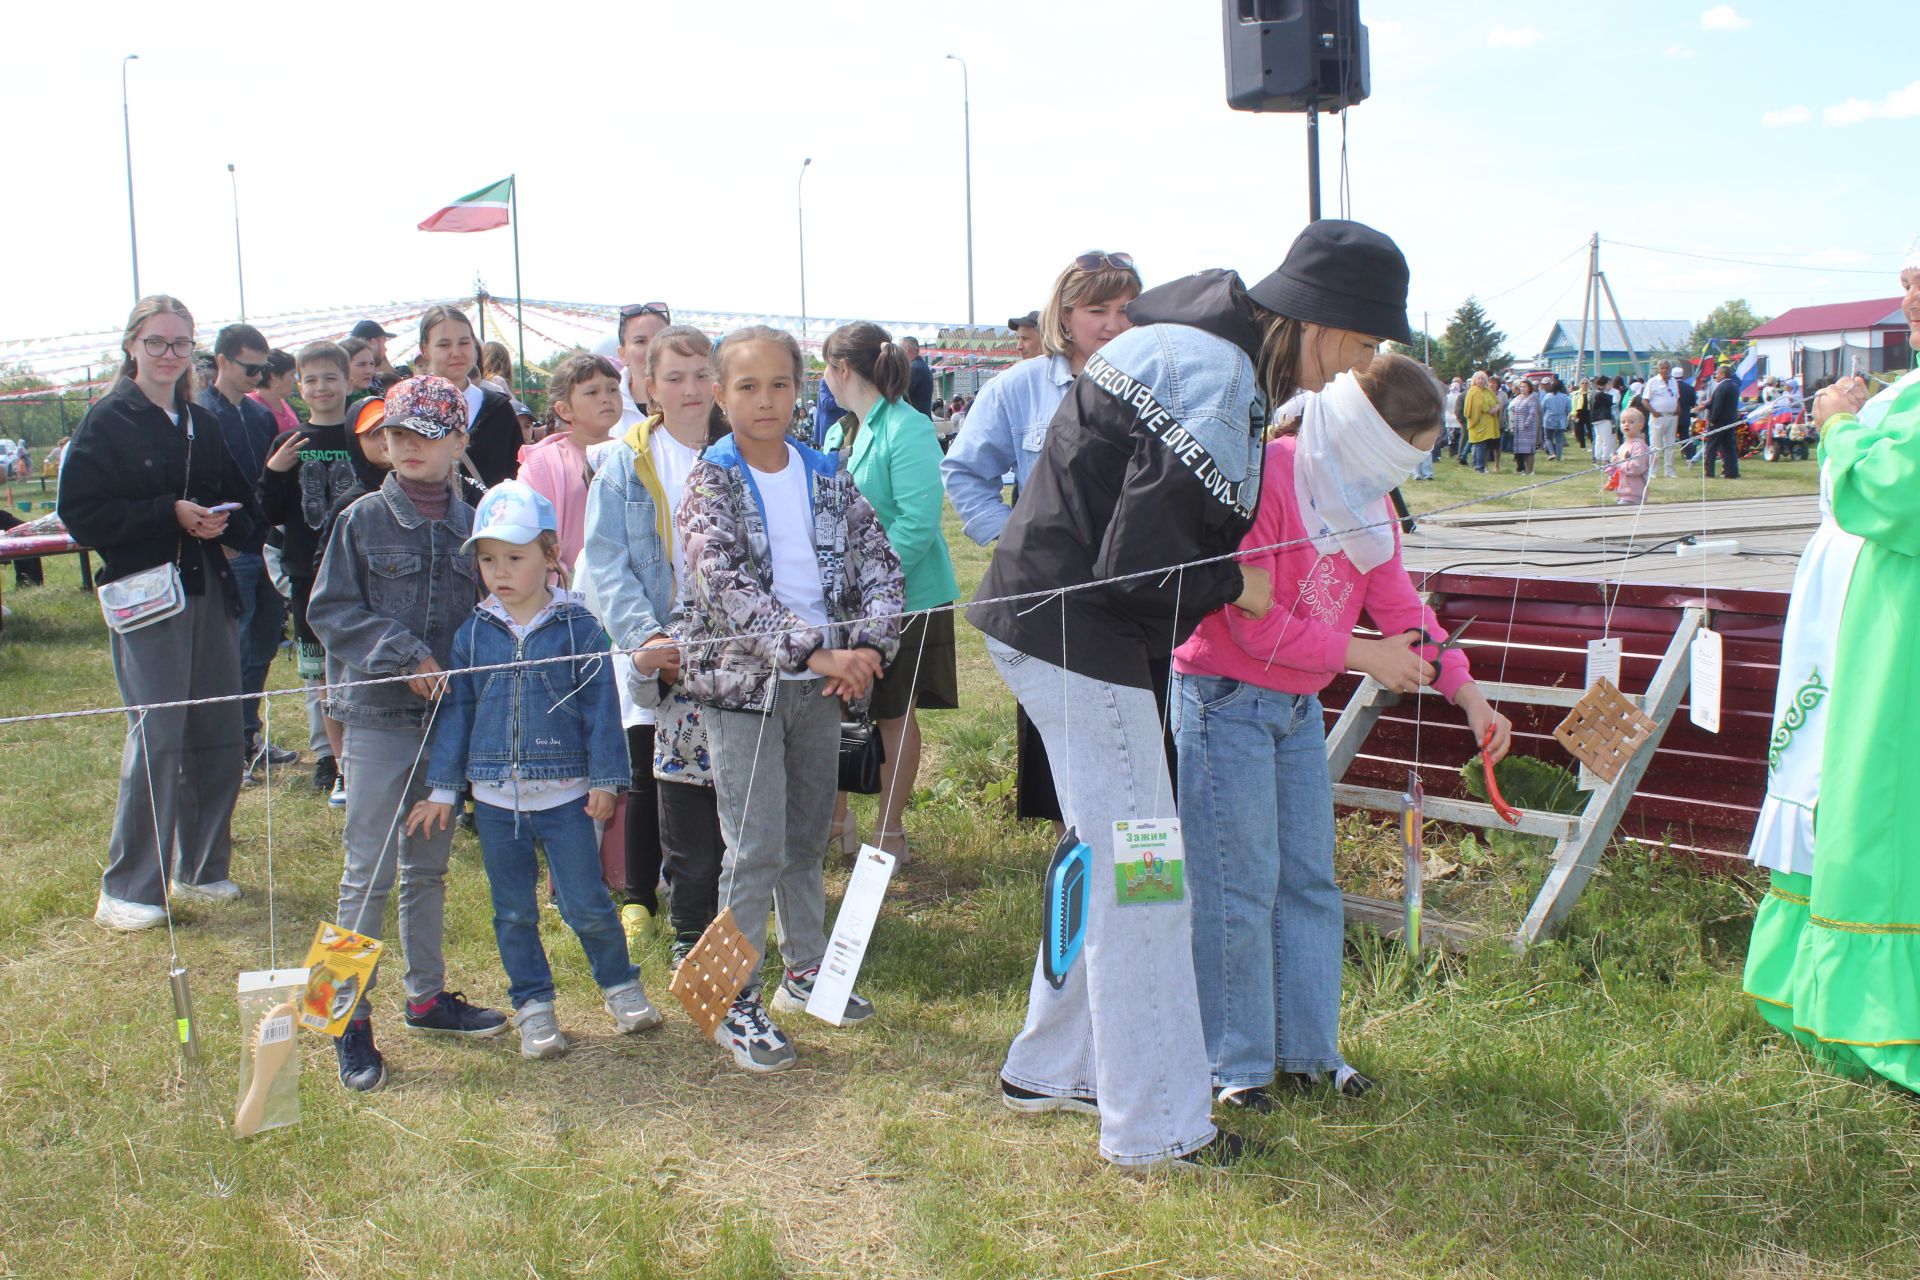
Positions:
{"x": 694, "y": 849}
{"x": 643, "y": 824}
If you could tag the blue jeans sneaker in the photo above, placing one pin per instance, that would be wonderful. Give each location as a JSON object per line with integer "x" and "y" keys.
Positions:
{"x": 750, "y": 1036}
{"x": 797, "y": 988}
{"x": 362, "y": 1069}
{"x": 451, "y": 1015}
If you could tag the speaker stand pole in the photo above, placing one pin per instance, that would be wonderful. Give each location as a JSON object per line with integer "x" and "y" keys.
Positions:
{"x": 1313, "y": 160}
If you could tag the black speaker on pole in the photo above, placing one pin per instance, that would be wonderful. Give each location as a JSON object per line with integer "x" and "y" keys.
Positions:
{"x": 1292, "y": 55}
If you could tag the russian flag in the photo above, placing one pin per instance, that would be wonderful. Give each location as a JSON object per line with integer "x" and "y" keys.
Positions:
{"x": 1747, "y": 372}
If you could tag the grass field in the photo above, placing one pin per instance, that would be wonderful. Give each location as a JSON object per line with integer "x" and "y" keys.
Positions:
{"x": 1607, "y": 1105}
{"x": 1453, "y": 483}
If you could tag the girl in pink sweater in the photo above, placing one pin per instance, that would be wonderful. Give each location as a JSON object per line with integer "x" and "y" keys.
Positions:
{"x": 1256, "y": 802}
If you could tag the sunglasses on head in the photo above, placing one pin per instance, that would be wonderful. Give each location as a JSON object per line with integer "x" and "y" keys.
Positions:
{"x": 660, "y": 309}
{"x": 1101, "y": 260}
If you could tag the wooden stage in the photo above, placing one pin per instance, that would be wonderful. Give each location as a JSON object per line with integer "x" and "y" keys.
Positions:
{"x": 1625, "y": 544}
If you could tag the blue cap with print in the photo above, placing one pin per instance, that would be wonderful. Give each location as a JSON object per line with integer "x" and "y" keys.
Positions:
{"x": 512, "y": 511}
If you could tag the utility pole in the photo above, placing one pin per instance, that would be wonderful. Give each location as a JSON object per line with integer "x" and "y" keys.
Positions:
{"x": 239, "y": 263}
{"x": 966, "y": 122}
{"x": 126, "y": 128}
{"x": 800, "y": 209}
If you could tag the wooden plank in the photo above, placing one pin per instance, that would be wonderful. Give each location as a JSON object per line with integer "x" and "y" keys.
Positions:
{"x": 1466, "y": 813}
{"x": 1390, "y": 918}
{"x": 1537, "y": 694}
{"x": 1356, "y": 721}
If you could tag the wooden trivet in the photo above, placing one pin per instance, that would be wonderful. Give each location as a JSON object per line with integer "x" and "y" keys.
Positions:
{"x": 1604, "y": 729}
{"x": 714, "y": 972}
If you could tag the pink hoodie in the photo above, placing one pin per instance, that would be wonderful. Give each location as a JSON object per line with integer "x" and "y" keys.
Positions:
{"x": 1301, "y": 643}
{"x": 557, "y": 468}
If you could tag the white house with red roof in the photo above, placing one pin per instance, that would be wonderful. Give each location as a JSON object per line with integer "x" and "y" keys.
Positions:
{"x": 1832, "y": 339}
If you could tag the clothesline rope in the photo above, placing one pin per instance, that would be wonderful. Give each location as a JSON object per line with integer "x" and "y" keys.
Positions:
{"x": 1046, "y": 593}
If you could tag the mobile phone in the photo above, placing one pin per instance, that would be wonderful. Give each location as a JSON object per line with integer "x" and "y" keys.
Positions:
{"x": 224, "y": 507}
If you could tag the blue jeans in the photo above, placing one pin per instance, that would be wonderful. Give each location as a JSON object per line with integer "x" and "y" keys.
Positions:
{"x": 1556, "y": 442}
{"x": 1256, "y": 807}
{"x": 263, "y": 621}
{"x": 1483, "y": 450}
{"x": 513, "y": 873}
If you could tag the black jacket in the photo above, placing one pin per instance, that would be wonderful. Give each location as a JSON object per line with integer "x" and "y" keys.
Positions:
{"x": 299, "y": 499}
{"x": 1152, "y": 461}
{"x": 493, "y": 446}
{"x": 125, "y": 468}
{"x": 1723, "y": 406}
{"x": 1687, "y": 400}
{"x": 920, "y": 385}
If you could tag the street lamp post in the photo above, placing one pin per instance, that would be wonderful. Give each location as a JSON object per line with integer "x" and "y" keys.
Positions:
{"x": 800, "y": 207}
{"x": 126, "y": 127}
{"x": 239, "y": 263}
{"x": 966, "y": 124}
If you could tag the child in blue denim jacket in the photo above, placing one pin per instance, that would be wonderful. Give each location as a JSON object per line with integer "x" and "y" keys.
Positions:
{"x": 541, "y": 745}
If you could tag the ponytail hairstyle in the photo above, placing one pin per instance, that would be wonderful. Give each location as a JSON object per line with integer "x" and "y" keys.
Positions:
{"x": 496, "y": 361}
{"x": 144, "y": 310}
{"x": 870, "y": 352}
{"x": 1405, "y": 393}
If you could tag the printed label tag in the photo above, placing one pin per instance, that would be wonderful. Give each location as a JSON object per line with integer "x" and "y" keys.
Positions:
{"x": 1149, "y": 862}
{"x": 852, "y": 928}
{"x": 274, "y": 1030}
{"x": 1704, "y": 695}
{"x": 1603, "y": 662}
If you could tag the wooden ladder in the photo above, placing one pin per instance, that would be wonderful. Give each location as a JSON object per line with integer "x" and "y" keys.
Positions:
{"x": 1579, "y": 839}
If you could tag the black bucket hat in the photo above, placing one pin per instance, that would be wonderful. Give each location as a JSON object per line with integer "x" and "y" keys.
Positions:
{"x": 1344, "y": 275}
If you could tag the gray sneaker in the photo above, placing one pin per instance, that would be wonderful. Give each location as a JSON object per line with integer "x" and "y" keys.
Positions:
{"x": 797, "y": 988}
{"x": 750, "y": 1036}
{"x": 539, "y": 1034}
{"x": 212, "y": 891}
{"x": 630, "y": 1008}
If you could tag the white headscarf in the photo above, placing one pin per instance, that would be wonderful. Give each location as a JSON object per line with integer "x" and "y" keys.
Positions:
{"x": 1346, "y": 461}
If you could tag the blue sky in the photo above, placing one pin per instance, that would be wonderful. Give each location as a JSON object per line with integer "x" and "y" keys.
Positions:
{"x": 657, "y": 147}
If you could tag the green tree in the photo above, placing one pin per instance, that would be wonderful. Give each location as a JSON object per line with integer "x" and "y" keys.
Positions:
{"x": 1471, "y": 342}
{"x": 1429, "y": 349}
{"x": 1731, "y": 319}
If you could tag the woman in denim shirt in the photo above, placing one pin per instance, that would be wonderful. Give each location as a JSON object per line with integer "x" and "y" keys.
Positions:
{"x": 1005, "y": 426}
{"x": 1555, "y": 408}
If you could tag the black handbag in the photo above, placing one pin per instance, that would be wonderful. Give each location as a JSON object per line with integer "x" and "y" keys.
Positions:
{"x": 861, "y": 755}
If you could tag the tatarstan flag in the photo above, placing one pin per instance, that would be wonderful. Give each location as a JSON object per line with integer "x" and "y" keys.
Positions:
{"x": 482, "y": 210}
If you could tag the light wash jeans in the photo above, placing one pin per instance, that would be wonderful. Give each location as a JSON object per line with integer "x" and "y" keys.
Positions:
{"x": 1256, "y": 807}
{"x": 513, "y": 874}
{"x": 1125, "y": 1027}
{"x": 774, "y": 816}
{"x": 263, "y": 622}
{"x": 387, "y": 776}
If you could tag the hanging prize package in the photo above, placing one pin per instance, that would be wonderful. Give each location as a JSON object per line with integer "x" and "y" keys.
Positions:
{"x": 1149, "y": 862}
{"x": 1413, "y": 855}
{"x": 1063, "y": 907}
{"x": 269, "y": 1057}
{"x": 339, "y": 967}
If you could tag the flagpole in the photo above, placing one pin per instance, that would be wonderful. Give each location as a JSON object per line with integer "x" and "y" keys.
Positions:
{"x": 519, "y": 302}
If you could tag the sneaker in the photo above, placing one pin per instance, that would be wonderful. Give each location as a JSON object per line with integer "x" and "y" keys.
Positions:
{"x": 260, "y": 749}
{"x": 362, "y": 1069}
{"x": 630, "y": 1008}
{"x": 539, "y": 1034}
{"x": 636, "y": 920}
{"x": 1029, "y": 1102}
{"x": 1256, "y": 1098}
{"x": 451, "y": 1015}
{"x": 750, "y": 1036}
{"x": 215, "y": 891}
{"x": 678, "y": 952}
{"x": 127, "y": 917}
{"x": 1345, "y": 1081}
{"x": 326, "y": 770}
{"x": 797, "y": 988}
{"x": 337, "y": 798}
{"x": 1225, "y": 1151}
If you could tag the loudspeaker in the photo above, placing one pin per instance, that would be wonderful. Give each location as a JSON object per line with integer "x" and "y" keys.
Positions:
{"x": 1283, "y": 54}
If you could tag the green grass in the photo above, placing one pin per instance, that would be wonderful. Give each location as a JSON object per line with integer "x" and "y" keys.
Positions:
{"x": 1453, "y": 483}
{"x": 1606, "y": 1105}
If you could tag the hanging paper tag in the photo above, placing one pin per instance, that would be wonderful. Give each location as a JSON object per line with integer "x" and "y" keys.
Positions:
{"x": 852, "y": 928}
{"x": 1603, "y": 663}
{"x": 339, "y": 966}
{"x": 1704, "y": 696}
{"x": 1149, "y": 861}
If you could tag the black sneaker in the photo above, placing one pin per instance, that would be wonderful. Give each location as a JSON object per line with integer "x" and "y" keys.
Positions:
{"x": 1344, "y": 1081}
{"x": 451, "y": 1015}
{"x": 260, "y": 749}
{"x": 325, "y": 770}
{"x": 679, "y": 951}
{"x": 1255, "y": 1098}
{"x": 362, "y": 1069}
{"x": 1026, "y": 1100}
{"x": 1225, "y": 1151}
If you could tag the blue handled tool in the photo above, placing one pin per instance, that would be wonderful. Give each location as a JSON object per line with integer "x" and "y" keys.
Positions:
{"x": 1063, "y": 907}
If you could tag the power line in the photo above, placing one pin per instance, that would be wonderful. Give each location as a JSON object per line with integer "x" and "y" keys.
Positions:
{"x": 1748, "y": 262}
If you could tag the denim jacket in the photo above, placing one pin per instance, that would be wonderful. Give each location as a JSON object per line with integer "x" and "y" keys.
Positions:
{"x": 393, "y": 588}
{"x": 1003, "y": 432}
{"x": 545, "y": 720}
{"x": 629, "y": 544}
{"x": 737, "y": 634}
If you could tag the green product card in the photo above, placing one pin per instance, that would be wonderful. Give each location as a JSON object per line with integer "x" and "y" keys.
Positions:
{"x": 1149, "y": 862}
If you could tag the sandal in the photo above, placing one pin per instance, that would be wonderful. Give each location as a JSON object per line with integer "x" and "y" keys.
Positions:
{"x": 895, "y": 843}
{"x": 844, "y": 837}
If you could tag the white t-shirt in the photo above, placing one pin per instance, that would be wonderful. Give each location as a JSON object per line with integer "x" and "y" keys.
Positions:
{"x": 474, "y": 398}
{"x": 796, "y": 570}
{"x": 672, "y": 461}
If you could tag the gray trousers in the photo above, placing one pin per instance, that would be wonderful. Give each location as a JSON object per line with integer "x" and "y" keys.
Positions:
{"x": 777, "y": 836}
{"x": 316, "y": 724}
{"x": 192, "y": 754}
{"x": 1126, "y": 1025}
{"x": 383, "y": 781}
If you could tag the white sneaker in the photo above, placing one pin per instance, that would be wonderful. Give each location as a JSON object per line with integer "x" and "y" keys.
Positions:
{"x": 539, "y": 1034}
{"x": 217, "y": 891}
{"x": 128, "y": 917}
{"x": 337, "y": 798}
{"x": 630, "y": 1008}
